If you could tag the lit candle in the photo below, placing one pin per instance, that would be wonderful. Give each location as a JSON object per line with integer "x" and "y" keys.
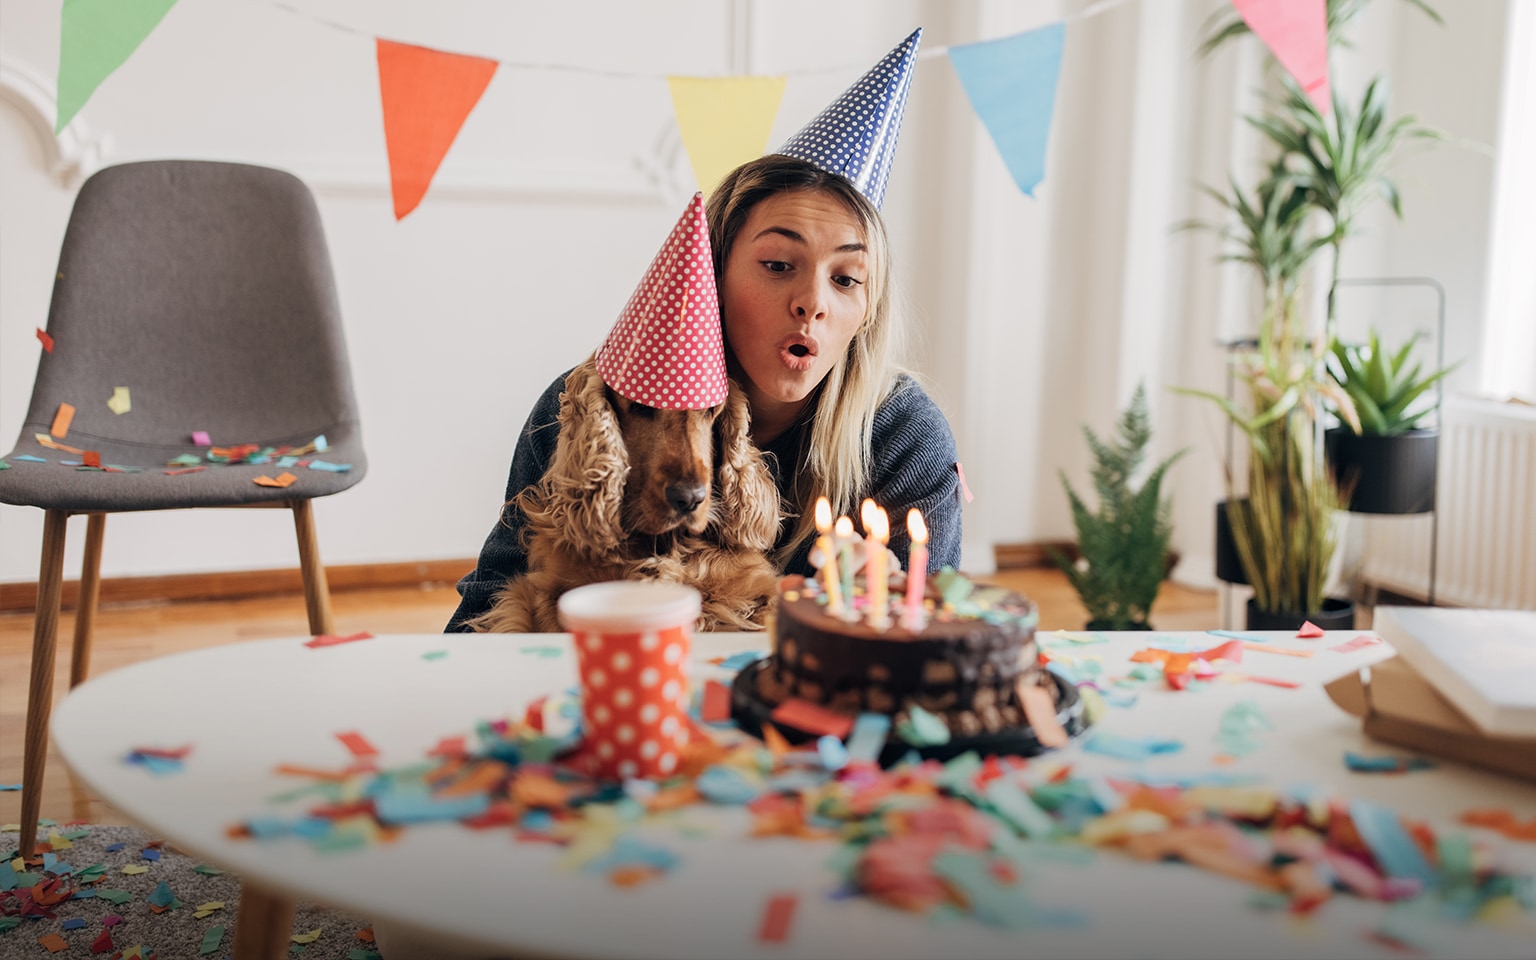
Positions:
{"x": 875, "y": 573}
{"x": 828, "y": 556}
{"x": 917, "y": 570}
{"x": 842, "y": 534}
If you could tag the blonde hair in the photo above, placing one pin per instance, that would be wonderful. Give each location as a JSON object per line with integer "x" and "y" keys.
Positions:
{"x": 835, "y": 463}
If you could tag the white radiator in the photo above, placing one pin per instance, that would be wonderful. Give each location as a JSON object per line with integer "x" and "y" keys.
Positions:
{"x": 1487, "y": 512}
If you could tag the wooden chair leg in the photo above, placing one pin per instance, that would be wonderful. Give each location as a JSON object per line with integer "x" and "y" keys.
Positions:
{"x": 90, "y": 590}
{"x": 50, "y": 582}
{"x": 317, "y": 595}
{"x": 264, "y": 925}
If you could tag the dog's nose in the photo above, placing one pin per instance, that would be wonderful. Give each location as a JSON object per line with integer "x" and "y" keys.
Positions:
{"x": 686, "y": 497}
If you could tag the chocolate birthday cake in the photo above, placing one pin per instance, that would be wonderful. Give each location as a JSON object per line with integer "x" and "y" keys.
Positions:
{"x": 965, "y": 660}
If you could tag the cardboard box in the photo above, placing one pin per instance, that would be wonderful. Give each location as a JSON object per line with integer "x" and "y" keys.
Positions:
{"x": 1401, "y": 707}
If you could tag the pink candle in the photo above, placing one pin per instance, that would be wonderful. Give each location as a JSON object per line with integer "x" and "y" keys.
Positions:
{"x": 917, "y": 570}
{"x": 876, "y": 576}
{"x": 824, "y": 543}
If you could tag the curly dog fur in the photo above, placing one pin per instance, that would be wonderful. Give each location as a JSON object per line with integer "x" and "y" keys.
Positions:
{"x": 601, "y": 512}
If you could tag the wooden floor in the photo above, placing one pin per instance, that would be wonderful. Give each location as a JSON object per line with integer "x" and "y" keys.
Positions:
{"x": 129, "y": 634}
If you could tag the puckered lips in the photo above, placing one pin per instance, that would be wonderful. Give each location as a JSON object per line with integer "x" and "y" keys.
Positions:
{"x": 798, "y": 351}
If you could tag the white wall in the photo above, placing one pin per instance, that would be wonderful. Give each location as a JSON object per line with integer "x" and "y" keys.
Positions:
{"x": 1030, "y": 316}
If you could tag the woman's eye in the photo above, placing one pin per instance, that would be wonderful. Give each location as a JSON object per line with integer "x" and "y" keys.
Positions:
{"x": 846, "y": 282}
{"x": 776, "y": 266}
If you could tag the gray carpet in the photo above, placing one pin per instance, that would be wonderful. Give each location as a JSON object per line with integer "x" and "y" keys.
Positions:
{"x": 174, "y": 934}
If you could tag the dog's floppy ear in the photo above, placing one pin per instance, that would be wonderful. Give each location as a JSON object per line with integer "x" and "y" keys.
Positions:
{"x": 747, "y": 516}
{"x": 580, "y": 499}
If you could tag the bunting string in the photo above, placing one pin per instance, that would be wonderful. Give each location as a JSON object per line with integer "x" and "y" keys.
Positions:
{"x": 929, "y": 53}
{"x": 428, "y": 93}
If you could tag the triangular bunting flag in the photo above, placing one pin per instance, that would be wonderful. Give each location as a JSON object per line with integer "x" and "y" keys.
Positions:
{"x": 426, "y": 95}
{"x": 725, "y": 121}
{"x": 1011, "y": 84}
{"x": 95, "y": 38}
{"x": 1296, "y": 32}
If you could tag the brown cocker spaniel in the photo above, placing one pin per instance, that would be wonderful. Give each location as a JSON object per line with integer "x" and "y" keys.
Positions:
{"x": 637, "y": 493}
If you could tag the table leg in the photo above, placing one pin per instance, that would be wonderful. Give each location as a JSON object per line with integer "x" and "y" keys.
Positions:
{"x": 264, "y": 925}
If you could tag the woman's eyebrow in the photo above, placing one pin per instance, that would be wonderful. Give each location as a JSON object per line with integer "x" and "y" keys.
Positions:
{"x": 854, "y": 247}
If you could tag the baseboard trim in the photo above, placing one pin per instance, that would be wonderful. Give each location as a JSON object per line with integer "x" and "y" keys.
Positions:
{"x": 1034, "y": 556}
{"x": 242, "y": 584}
{"x": 1031, "y": 556}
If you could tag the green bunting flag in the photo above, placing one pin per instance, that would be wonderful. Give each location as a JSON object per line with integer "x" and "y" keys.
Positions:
{"x": 95, "y": 38}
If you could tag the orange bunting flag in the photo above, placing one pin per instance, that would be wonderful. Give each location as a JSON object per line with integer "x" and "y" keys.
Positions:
{"x": 427, "y": 95}
{"x": 1296, "y": 32}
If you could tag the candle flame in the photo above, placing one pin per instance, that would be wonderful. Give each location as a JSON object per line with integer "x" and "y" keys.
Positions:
{"x": 867, "y": 514}
{"x": 880, "y": 529}
{"x": 844, "y": 527}
{"x": 823, "y": 515}
{"x": 916, "y": 527}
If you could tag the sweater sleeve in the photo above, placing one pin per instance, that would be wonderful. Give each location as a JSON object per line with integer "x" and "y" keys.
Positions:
{"x": 913, "y": 460}
{"x": 503, "y": 555}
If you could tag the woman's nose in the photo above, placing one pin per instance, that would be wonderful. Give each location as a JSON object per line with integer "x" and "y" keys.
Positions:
{"x": 809, "y": 304}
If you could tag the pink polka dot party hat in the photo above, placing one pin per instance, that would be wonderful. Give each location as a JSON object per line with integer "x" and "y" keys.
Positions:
{"x": 666, "y": 350}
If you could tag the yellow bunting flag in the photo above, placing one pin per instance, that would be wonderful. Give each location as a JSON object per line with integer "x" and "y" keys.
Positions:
{"x": 725, "y": 121}
{"x": 427, "y": 95}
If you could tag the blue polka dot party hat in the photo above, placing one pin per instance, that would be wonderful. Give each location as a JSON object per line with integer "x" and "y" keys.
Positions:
{"x": 666, "y": 350}
{"x": 856, "y": 135}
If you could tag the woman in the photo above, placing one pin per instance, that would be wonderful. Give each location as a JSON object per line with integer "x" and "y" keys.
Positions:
{"x": 803, "y": 269}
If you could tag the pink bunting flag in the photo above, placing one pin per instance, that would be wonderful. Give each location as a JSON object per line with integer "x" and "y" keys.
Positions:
{"x": 1296, "y": 32}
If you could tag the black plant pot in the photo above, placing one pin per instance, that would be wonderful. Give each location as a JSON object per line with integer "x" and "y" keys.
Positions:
{"x": 1109, "y": 625}
{"x": 1229, "y": 565}
{"x": 1393, "y": 474}
{"x": 1337, "y": 614}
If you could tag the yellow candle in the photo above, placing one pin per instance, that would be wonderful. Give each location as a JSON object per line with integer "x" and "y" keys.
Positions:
{"x": 829, "y": 581}
{"x": 917, "y": 569}
{"x": 875, "y": 573}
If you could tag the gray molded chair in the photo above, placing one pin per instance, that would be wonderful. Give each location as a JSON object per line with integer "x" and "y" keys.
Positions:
{"x": 206, "y": 289}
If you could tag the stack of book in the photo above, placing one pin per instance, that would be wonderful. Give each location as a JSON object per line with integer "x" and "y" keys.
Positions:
{"x": 1462, "y": 686}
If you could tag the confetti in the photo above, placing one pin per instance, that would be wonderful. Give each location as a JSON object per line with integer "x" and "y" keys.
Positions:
{"x": 1348, "y": 646}
{"x": 61, "y": 421}
{"x": 716, "y": 707}
{"x": 120, "y": 403}
{"x": 328, "y": 640}
{"x": 1282, "y": 651}
{"x": 356, "y": 743}
{"x": 282, "y": 480}
{"x": 212, "y": 937}
{"x": 1309, "y": 631}
{"x": 813, "y": 719}
{"x": 778, "y": 916}
{"x": 46, "y": 340}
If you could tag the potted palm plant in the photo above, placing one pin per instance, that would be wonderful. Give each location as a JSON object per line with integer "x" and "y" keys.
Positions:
{"x": 1388, "y": 459}
{"x": 1325, "y": 170}
{"x": 1122, "y": 546}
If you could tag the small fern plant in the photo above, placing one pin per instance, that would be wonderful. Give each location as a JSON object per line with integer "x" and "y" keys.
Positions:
{"x": 1123, "y": 547}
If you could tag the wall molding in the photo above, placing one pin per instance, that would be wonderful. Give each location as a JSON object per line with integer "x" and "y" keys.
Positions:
{"x": 74, "y": 153}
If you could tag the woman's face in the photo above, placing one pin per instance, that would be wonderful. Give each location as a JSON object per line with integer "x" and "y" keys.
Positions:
{"x": 794, "y": 294}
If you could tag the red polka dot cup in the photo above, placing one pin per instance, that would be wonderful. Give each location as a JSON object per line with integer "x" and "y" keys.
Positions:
{"x": 632, "y": 645}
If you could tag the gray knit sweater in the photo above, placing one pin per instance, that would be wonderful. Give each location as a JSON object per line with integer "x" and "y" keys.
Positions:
{"x": 913, "y": 465}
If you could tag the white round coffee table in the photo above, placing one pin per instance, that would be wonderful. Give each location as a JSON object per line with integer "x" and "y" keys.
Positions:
{"x": 248, "y": 708}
